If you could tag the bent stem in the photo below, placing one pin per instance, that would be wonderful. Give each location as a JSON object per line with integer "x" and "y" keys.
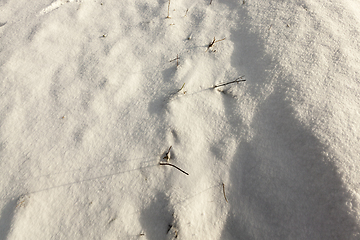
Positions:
{"x": 169, "y": 164}
{"x": 224, "y": 192}
{"x": 213, "y": 42}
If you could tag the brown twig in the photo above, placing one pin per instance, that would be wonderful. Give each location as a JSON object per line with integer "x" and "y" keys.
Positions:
{"x": 224, "y": 192}
{"x": 168, "y": 16}
{"x": 213, "y": 42}
{"x": 177, "y": 60}
{"x": 167, "y": 155}
{"x": 169, "y": 164}
{"x": 186, "y": 12}
{"x": 182, "y": 88}
{"x": 239, "y": 79}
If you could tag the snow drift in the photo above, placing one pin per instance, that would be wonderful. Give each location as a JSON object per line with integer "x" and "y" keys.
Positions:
{"x": 94, "y": 93}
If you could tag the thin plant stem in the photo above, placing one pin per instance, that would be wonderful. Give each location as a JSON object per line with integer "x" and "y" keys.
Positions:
{"x": 177, "y": 60}
{"x": 168, "y": 16}
{"x": 172, "y": 165}
{"x": 239, "y": 79}
{"x": 213, "y": 42}
{"x": 224, "y": 192}
{"x": 167, "y": 155}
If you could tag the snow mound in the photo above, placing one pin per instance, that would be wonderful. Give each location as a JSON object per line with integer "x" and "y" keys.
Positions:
{"x": 125, "y": 120}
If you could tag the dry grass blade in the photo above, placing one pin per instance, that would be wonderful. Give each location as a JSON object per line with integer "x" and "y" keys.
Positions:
{"x": 239, "y": 79}
{"x": 213, "y": 42}
{"x": 168, "y": 16}
{"x": 224, "y": 192}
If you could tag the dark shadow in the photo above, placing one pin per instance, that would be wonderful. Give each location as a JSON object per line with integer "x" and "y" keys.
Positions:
{"x": 157, "y": 219}
{"x": 249, "y": 56}
{"x": 158, "y": 104}
{"x": 169, "y": 73}
{"x": 285, "y": 182}
{"x": 7, "y": 215}
{"x": 236, "y": 229}
{"x": 284, "y": 185}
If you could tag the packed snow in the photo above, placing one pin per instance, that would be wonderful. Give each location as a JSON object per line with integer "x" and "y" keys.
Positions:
{"x": 180, "y": 119}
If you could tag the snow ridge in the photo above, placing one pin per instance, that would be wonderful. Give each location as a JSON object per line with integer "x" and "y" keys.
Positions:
{"x": 55, "y": 5}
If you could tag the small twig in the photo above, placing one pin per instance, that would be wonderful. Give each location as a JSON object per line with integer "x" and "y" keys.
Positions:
{"x": 213, "y": 42}
{"x": 186, "y": 12}
{"x": 239, "y": 79}
{"x": 177, "y": 60}
{"x": 224, "y": 192}
{"x": 174, "y": 94}
{"x": 211, "y": 1}
{"x": 169, "y": 164}
{"x": 167, "y": 155}
{"x": 182, "y": 88}
{"x": 168, "y": 16}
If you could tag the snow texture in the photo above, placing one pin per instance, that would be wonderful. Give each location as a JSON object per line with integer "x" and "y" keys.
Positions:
{"x": 93, "y": 93}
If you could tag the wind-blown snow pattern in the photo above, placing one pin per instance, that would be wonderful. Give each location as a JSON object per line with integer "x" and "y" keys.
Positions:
{"x": 55, "y": 5}
{"x": 95, "y": 94}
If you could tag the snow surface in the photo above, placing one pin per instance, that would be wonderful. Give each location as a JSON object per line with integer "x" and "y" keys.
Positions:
{"x": 91, "y": 102}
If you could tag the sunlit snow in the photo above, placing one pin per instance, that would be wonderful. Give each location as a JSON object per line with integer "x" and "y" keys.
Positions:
{"x": 181, "y": 119}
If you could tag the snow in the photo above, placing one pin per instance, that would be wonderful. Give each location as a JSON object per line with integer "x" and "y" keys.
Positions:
{"x": 93, "y": 96}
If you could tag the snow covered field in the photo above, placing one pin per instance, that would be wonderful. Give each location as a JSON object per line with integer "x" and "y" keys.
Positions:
{"x": 94, "y": 93}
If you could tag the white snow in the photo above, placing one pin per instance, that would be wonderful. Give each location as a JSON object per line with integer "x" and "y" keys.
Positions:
{"x": 92, "y": 96}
